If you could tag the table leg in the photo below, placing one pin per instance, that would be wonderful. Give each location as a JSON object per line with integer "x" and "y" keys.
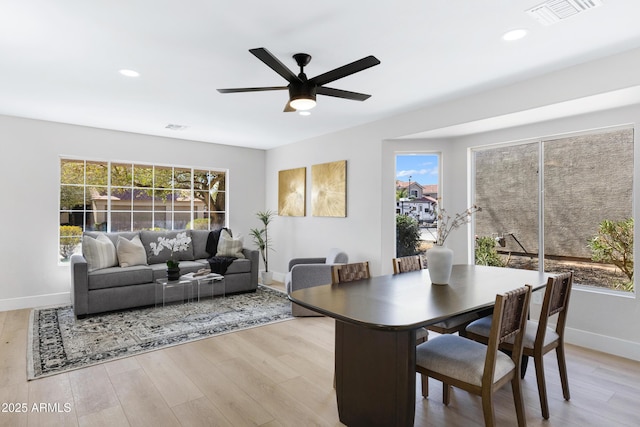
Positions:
{"x": 375, "y": 376}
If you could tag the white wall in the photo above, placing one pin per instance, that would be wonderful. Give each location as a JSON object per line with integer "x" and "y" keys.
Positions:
{"x": 30, "y": 175}
{"x": 602, "y": 322}
{"x": 313, "y": 236}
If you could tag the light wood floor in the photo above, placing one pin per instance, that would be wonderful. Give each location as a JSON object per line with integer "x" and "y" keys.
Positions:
{"x": 278, "y": 375}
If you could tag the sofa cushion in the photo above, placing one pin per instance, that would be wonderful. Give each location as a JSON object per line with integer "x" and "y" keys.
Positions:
{"x": 164, "y": 255}
{"x": 117, "y": 276}
{"x": 131, "y": 252}
{"x": 229, "y": 246}
{"x": 239, "y": 266}
{"x": 100, "y": 252}
{"x": 199, "y": 243}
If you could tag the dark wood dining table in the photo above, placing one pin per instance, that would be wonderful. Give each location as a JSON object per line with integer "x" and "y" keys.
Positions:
{"x": 375, "y": 335}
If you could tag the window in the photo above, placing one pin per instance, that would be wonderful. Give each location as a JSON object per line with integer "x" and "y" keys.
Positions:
{"x": 416, "y": 199}
{"x": 116, "y": 196}
{"x": 548, "y": 200}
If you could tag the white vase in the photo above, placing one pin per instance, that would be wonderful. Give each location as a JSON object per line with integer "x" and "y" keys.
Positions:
{"x": 439, "y": 264}
{"x": 267, "y": 277}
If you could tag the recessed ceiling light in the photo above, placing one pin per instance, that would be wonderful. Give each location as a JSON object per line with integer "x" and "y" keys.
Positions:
{"x": 129, "y": 73}
{"x": 304, "y": 113}
{"x": 514, "y": 34}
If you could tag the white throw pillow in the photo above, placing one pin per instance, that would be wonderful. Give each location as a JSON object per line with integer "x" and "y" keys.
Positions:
{"x": 99, "y": 252}
{"x": 131, "y": 252}
{"x": 228, "y": 246}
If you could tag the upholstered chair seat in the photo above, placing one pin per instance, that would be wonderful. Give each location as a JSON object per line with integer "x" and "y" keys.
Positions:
{"x": 460, "y": 359}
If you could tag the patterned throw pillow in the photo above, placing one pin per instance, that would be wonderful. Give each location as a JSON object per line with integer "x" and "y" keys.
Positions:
{"x": 131, "y": 252}
{"x": 99, "y": 252}
{"x": 228, "y": 246}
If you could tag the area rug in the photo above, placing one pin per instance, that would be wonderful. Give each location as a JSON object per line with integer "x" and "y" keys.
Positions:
{"x": 58, "y": 342}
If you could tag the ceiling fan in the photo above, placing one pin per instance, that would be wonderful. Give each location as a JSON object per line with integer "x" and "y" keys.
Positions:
{"x": 303, "y": 91}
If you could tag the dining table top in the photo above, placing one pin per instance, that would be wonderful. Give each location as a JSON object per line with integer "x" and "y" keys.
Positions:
{"x": 409, "y": 300}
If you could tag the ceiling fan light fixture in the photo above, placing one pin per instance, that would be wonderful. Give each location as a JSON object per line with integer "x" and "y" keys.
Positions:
{"x": 303, "y": 103}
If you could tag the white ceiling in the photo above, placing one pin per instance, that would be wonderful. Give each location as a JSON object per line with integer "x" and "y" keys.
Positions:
{"x": 59, "y": 59}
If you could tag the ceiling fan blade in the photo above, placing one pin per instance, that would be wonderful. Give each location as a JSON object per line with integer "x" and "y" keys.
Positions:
{"x": 288, "y": 108}
{"x": 274, "y": 63}
{"x": 345, "y": 70}
{"x": 252, "y": 89}
{"x": 338, "y": 93}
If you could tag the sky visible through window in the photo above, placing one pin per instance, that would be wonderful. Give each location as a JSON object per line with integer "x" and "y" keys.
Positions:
{"x": 423, "y": 168}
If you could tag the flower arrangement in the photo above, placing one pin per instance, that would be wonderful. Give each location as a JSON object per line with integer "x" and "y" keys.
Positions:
{"x": 447, "y": 223}
{"x": 177, "y": 244}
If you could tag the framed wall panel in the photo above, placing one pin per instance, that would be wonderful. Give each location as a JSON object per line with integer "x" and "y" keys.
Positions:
{"x": 329, "y": 189}
{"x": 292, "y": 192}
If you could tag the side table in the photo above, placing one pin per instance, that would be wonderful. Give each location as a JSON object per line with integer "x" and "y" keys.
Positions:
{"x": 212, "y": 280}
{"x": 163, "y": 285}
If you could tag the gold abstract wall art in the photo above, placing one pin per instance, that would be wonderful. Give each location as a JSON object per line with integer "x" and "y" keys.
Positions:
{"x": 292, "y": 192}
{"x": 329, "y": 189}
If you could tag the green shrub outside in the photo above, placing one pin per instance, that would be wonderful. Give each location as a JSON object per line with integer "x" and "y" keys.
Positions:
{"x": 198, "y": 224}
{"x": 407, "y": 235}
{"x": 486, "y": 252}
{"x": 70, "y": 238}
{"x": 614, "y": 245}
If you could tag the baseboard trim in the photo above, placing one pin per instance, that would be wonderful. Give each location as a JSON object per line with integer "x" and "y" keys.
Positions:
{"x": 35, "y": 301}
{"x": 603, "y": 343}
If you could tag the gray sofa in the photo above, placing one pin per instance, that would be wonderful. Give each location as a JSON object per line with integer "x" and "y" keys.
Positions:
{"x": 115, "y": 287}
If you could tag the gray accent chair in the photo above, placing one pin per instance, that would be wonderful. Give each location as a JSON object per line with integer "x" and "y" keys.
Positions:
{"x": 309, "y": 272}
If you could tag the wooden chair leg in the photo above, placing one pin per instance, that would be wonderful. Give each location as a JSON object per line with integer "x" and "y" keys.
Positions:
{"x": 542, "y": 387}
{"x": 517, "y": 400}
{"x": 424, "y": 380}
{"x": 446, "y": 393}
{"x": 562, "y": 367}
{"x": 524, "y": 362}
{"x": 487, "y": 407}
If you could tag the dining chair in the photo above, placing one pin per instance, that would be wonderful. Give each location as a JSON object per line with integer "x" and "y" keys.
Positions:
{"x": 344, "y": 273}
{"x": 404, "y": 265}
{"x": 407, "y": 263}
{"x": 349, "y": 272}
{"x": 539, "y": 339}
{"x": 477, "y": 368}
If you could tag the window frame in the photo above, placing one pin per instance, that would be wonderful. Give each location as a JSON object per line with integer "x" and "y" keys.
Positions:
{"x": 540, "y": 141}
{"x": 190, "y": 208}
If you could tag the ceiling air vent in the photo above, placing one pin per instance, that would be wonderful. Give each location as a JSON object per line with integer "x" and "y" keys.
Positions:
{"x": 172, "y": 126}
{"x": 554, "y": 11}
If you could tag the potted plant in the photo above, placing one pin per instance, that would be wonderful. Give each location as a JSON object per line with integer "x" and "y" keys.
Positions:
{"x": 261, "y": 240}
{"x": 177, "y": 244}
